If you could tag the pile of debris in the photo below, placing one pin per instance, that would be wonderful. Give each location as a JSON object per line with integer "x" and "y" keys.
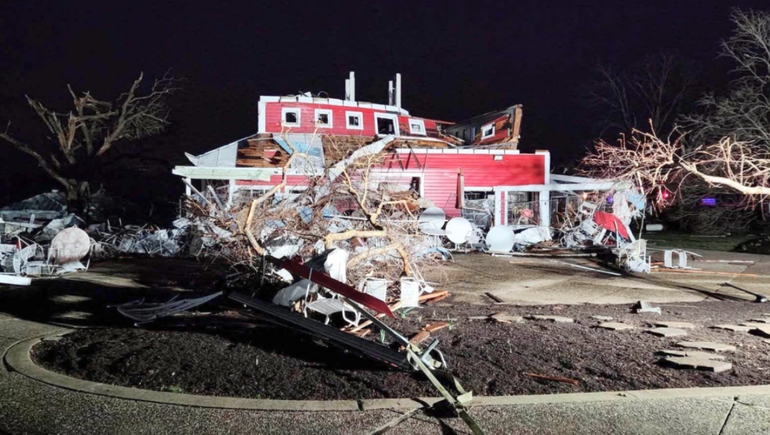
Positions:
{"x": 357, "y": 230}
{"x": 29, "y": 231}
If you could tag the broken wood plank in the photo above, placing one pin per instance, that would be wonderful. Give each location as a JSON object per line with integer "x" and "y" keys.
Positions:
{"x": 397, "y": 305}
{"x": 438, "y": 299}
{"x": 553, "y": 378}
{"x": 494, "y": 298}
{"x": 419, "y": 337}
{"x": 362, "y": 332}
{"x": 433, "y": 327}
{"x": 503, "y": 317}
{"x": 500, "y": 317}
{"x": 434, "y": 295}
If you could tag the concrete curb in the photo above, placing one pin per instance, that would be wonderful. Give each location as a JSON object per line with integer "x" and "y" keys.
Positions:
{"x": 18, "y": 358}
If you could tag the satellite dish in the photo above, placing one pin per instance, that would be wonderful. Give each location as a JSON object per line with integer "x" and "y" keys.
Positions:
{"x": 69, "y": 245}
{"x": 432, "y": 217}
{"x": 458, "y": 230}
{"x": 500, "y": 239}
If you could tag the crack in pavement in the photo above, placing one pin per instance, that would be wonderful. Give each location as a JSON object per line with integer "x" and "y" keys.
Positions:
{"x": 727, "y": 417}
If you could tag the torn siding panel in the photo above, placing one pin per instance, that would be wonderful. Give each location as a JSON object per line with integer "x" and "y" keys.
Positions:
{"x": 506, "y": 123}
{"x": 260, "y": 154}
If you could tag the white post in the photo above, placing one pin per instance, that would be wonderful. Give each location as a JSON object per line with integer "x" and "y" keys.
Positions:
{"x": 500, "y": 210}
{"x": 352, "y": 86}
{"x": 187, "y": 190}
{"x": 390, "y": 93}
{"x": 231, "y": 193}
{"x": 545, "y": 208}
{"x": 347, "y": 89}
{"x": 398, "y": 91}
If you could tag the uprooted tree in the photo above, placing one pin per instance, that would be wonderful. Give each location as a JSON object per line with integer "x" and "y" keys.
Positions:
{"x": 727, "y": 147}
{"x": 84, "y": 137}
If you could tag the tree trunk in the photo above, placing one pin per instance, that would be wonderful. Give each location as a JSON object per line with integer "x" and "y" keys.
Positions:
{"x": 77, "y": 194}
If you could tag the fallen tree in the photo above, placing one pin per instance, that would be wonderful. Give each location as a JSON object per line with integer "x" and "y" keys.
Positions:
{"x": 88, "y": 135}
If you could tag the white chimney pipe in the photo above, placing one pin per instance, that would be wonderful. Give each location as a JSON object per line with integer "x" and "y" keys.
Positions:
{"x": 347, "y": 89}
{"x": 352, "y": 86}
{"x": 390, "y": 93}
{"x": 398, "y": 91}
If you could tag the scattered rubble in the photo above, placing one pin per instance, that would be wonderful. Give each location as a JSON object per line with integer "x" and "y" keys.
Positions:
{"x": 693, "y": 353}
{"x": 616, "y": 326}
{"x": 506, "y": 318}
{"x": 670, "y": 324}
{"x": 763, "y": 330}
{"x": 555, "y": 319}
{"x": 716, "y": 347}
{"x": 690, "y": 362}
{"x": 666, "y": 332}
{"x": 734, "y": 328}
{"x": 645, "y": 307}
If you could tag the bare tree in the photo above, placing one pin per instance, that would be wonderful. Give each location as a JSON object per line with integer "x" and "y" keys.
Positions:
{"x": 744, "y": 112}
{"x": 654, "y": 164}
{"x": 727, "y": 148}
{"x": 83, "y": 137}
{"x": 654, "y": 89}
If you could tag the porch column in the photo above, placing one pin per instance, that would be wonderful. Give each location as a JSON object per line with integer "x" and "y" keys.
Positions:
{"x": 545, "y": 208}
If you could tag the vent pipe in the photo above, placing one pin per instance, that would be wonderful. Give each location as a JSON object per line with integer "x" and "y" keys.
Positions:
{"x": 398, "y": 91}
{"x": 347, "y": 89}
{"x": 352, "y": 86}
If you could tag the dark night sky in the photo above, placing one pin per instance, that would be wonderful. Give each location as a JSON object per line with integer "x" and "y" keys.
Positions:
{"x": 457, "y": 59}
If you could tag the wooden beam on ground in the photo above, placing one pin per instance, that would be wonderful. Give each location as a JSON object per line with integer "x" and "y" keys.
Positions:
{"x": 553, "y": 378}
{"x": 419, "y": 338}
{"x": 494, "y": 298}
{"x": 433, "y": 327}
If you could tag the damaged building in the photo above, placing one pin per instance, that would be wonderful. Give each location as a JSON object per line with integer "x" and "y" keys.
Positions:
{"x": 471, "y": 168}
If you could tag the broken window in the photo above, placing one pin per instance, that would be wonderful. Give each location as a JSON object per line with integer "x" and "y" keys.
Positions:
{"x": 487, "y": 131}
{"x": 354, "y": 120}
{"x": 323, "y": 118}
{"x": 385, "y": 124}
{"x": 290, "y": 117}
{"x": 417, "y": 126}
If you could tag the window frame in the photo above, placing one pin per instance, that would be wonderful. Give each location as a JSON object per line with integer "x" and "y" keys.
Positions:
{"x": 419, "y": 122}
{"x": 327, "y": 112}
{"x": 388, "y": 116}
{"x": 297, "y": 111}
{"x": 492, "y": 132}
{"x": 359, "y": 115}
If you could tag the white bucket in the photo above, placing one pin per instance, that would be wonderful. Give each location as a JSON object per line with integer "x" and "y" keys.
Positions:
{"x": 377, "y": 288}
{"x": 410, "y": 293}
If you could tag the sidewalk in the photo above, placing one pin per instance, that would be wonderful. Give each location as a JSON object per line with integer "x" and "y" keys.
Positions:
{"x": 28, "y": 406}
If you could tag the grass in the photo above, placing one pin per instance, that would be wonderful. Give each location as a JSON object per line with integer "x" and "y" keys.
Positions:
{"x": 174, "y": 389}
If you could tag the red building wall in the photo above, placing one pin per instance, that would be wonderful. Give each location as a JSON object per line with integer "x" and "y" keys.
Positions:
{"x": 479, "y": 171}
{"x": 439, "y": 173}
{"x": 273, "y": 112}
